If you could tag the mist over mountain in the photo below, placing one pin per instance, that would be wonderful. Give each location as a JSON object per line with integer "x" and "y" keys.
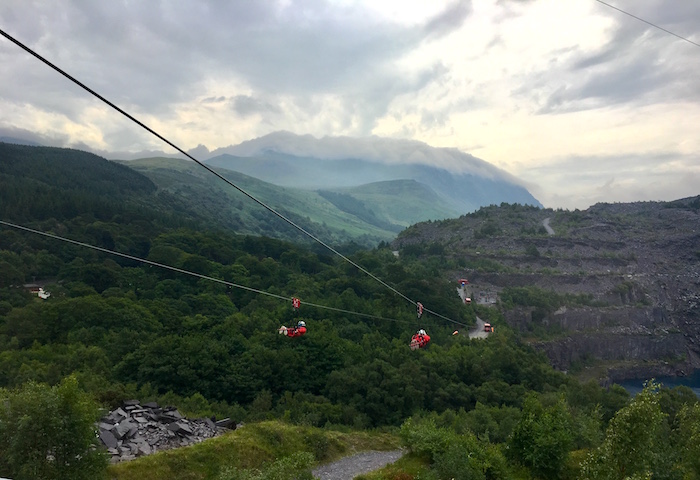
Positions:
{"x": 18, "y": 141}
{"x": 462, "y": 181}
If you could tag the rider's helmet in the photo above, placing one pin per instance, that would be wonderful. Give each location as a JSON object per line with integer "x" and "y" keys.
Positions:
{"x": 301, "y": 323}
{"x": 421, "y": 332}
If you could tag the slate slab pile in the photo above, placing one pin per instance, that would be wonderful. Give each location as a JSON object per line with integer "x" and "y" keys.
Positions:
{"x": 134, "y": 430}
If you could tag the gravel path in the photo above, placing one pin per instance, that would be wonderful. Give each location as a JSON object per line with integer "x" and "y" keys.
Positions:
{"x": 545, "y": 224}
{"x": 478, "y": 331}
{"x": 349, "y": 467}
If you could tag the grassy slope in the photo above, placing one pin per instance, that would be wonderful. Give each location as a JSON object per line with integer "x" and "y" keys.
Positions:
{"x": 186, "y": 178}
{"x": 249, "y": 447}
{"x": 403, "y": 202}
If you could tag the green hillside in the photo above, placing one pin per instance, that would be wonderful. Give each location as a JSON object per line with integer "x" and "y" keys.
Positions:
{"x": 402, "y": 202}
{"x": 210, "y": 197}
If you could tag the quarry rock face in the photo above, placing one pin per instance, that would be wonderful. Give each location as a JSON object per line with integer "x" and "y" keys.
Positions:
{"x": 135, "y": 430}
{"x": 629, "y": 274}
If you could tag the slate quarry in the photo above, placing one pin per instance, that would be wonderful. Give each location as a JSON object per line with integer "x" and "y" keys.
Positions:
{"x": 134, "y": 430}
{"x": 628, "y": 275}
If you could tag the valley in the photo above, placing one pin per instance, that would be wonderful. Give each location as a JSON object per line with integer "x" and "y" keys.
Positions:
{"x": 611, "y": 294}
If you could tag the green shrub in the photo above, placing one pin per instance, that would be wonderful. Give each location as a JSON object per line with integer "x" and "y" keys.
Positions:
{"x": 49, "y": 433}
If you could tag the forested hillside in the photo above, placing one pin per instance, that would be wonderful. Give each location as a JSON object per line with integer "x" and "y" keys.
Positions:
{"x": 225, "y": 207}
{"x": 122, "y": 329}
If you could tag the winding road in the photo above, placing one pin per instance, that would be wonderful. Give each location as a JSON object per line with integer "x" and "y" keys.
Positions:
{"x": 478, "y": 330}
{"x": 349, "y": 467}
{"x": 545, "y": 224}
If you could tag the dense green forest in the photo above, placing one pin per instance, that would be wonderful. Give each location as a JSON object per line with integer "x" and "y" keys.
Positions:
{"x": 123, "y": 329}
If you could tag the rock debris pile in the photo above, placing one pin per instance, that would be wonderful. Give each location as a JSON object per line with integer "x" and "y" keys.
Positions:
{"x": 134, "y": 430}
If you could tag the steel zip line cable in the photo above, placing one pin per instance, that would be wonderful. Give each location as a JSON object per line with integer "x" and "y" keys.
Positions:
{"x": 648, "y": 23}
{"x": 194, "y": 274}
{"x": 259, "y": 202}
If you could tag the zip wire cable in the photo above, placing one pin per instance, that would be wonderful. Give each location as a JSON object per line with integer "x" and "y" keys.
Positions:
{"x": 187, "y": 272}
{"x": 648, "y": 23}
{"x": 259, "y": 202}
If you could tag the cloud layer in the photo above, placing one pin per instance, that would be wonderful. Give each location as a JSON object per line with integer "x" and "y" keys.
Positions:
{"x": 561, "y": 94}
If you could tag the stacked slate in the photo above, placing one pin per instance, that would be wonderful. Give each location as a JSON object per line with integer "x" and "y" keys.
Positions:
{"x": 134, "y": 430}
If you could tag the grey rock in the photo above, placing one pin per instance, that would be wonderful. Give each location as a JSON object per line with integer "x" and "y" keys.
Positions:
{"x": 143, "y": 449}
{"x": 123, "y": 429}
{"x": 180, "y": 428}
{"x": 108, "y": 439}
{"x": 209, "y": 423}
{"x": 116, "y": 416}
{"x": 225, "y": 423}
{"x": 137, "y": 430}
{"x": 172, "y": 412}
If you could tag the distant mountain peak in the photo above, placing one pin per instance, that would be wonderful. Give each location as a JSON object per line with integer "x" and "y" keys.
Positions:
{"x": 391, "y": 151}
{"x": 462, "y": 182}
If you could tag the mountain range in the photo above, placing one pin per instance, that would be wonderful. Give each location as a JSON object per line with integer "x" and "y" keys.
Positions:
{"x": 461, "y": 182}
{"x": 363, "y": 190}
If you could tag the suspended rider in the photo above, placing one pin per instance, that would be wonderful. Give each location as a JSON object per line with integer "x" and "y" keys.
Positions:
{"x": 419, "y": 340}
{"x": 297, "y": 331}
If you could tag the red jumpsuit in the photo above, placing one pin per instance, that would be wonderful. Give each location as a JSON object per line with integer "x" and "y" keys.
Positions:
{"x": 296, "y": 331}
{"x": 419, "y": 340}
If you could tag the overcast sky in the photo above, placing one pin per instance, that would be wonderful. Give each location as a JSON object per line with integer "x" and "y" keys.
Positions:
{"x": 580, "y": 102}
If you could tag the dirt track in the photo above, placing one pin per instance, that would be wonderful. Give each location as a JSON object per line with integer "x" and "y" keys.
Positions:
{"x": 478, "y": 331}
{"x": 349, "y": 467}
{"x": 545, "y": 224}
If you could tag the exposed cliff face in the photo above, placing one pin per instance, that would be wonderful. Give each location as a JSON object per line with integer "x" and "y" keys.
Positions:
{"x": 615, "y": 346}
{"x": 633, "y": 268}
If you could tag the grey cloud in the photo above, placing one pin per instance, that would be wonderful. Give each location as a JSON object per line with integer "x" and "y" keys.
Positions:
{"x": 510, "y": 8}
{"x": 147, "y": 56}
{"x": 430, "y": 119}
{"x": 496, "y": 41}
{"x": 636, "y": 82}
{"x": 378, "y": 149}
{"x": 614, "y": 178}
{"x": 20, "y": 134}
{"x": 679, "y": 17}
{"x": 639, "y": 65}
{"x": 246, "y": 105}
{"x": 13, "y": 133}
{"x": 220, "y": 99}
{"x": 439, "y": 116}
{"x": 449, "y": 19}
{"x": 611, "y": 164}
